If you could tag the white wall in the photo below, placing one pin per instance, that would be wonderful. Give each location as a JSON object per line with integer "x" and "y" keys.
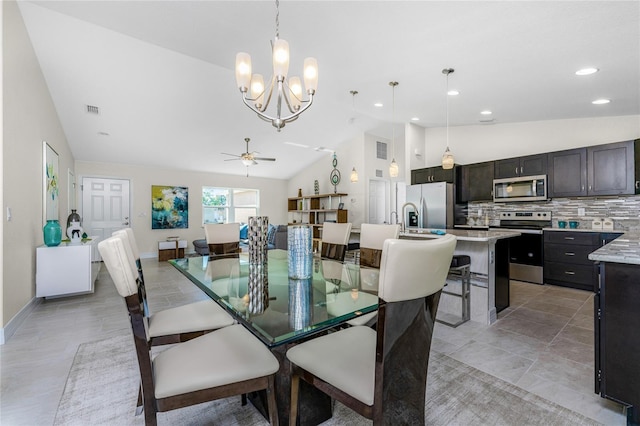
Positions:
{"x": 473, "y": 144}
{"x": 273, "y": 197}
{"x": 29, "y": 118}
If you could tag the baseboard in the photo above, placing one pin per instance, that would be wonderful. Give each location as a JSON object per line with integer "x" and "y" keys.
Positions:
{"x": 15, "y": 322}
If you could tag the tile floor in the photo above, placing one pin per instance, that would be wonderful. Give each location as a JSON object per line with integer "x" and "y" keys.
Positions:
{"x": 542, "y": 343}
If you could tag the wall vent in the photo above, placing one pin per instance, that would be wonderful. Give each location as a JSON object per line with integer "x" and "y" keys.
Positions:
{"x": 91, "y": 109}
{"x": 381, "y": 150}
{"x": 378, "y": 172}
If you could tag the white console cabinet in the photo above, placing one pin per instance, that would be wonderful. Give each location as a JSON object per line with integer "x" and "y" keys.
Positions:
{"x": 67, "y": 269}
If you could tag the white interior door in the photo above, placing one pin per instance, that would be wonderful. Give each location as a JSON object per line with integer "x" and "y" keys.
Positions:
{"x": 378, "y": 201}
{"x": 105, "y": 206}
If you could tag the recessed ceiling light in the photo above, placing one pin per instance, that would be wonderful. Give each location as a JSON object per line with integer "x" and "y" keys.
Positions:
{"x": 415, "y": 119}
{"x": 486, "y": 112}
{"x": 378, "y": 104}
{"x": 601, "y": 101}
{"x": 587, "y": 71}
{"x": 322, "y": 148}
{"x": 453, "y": 93}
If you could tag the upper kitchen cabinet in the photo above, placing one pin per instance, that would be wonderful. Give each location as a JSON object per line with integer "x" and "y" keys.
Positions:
{"x": 567, "y": 173}
{"x": 597, "y": 170}
{"x": 433, "y": 174}
{"x": 611, "y": 169}
{"x": 530, "y": 165}
{"x": 475, "y": 182}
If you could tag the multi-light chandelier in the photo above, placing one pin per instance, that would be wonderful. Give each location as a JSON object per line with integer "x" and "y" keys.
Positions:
{"x": 287, "y": 90}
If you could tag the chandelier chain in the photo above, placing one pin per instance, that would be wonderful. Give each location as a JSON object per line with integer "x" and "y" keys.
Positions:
{"x": 277, "y": 19}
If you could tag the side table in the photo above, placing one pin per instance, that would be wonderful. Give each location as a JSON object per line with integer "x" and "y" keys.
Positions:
{"x": 172, "y": 249}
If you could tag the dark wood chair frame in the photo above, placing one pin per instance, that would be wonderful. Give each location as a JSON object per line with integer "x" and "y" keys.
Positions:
{"x": 333, "y": 251}
{"x": 168, "y": 339}
{"x": 370, "y": 257}
{"x": 147, "y": 396}
{"x": 224, "y": 248}
{"x": 404, "y": 333}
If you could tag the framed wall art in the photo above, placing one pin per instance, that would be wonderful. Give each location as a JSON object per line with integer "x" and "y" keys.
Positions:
{"x": 169, "y": 207}
{"x": 50, "y": 183}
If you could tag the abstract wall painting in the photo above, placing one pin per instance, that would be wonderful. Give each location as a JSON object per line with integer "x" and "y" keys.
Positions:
{"x": 169, "y": 207}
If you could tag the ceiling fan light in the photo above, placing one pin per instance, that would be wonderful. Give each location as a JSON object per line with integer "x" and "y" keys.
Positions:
{"x": 247, "y": 162}
{"x": 243, "y": 71}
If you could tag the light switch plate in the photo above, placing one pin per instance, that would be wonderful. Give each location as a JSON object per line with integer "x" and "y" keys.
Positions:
{"x": 581, "y": 211}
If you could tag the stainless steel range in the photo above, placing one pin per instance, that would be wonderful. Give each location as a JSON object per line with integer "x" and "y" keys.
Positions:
{"x": 526, "y": 251}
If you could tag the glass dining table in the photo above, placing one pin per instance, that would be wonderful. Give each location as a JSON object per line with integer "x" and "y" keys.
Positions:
{"x": 282, "y": 312}
{"x": 277, "y": 309}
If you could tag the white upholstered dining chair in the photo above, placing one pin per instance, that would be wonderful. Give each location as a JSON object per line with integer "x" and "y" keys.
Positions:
{"x": 178, "y": 324}
{"x": 226, "y": 362}
{"x": 382, "y": 374}
{"x": 372, "y": 237}
{"x": 335, "y": 238}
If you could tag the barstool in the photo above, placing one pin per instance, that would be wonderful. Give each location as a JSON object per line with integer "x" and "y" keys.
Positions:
{"x": 460, "y": 267}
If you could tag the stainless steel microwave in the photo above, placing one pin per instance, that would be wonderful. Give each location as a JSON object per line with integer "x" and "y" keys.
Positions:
{"x": 524, "y": 188}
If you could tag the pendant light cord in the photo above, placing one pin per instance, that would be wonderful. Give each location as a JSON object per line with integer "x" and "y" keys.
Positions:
{"x": 447, "y": 111}
{"x": 277, "y": 19}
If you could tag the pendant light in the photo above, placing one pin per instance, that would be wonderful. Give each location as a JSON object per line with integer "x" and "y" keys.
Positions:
{"x": 447, "y": 157}
{"x": 393, "y": 167}
{"x": 354, "y": 173}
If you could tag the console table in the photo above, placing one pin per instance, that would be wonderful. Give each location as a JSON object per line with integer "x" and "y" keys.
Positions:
{"x": 67, "y": 269}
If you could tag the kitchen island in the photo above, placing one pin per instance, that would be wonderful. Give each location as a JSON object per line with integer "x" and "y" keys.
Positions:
{"x": 489, "y": 270}
{"x": 617, "y": 323}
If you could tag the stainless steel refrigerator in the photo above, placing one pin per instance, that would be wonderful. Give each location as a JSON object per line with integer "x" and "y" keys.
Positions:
{"x": 435, "y": 204}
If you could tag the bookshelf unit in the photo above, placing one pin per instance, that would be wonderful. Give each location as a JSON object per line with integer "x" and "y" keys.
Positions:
{"x": 314, "y": 210}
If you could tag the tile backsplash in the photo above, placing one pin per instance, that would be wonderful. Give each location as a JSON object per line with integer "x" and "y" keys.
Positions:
{"x": 624, "y": 211}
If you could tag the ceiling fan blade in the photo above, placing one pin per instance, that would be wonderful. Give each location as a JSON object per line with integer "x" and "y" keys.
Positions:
{"x": 233, "y": 159}
{"x": 264, "y": 159}
{"x": 254, "y": 162}
{"x": 233, "y": 155}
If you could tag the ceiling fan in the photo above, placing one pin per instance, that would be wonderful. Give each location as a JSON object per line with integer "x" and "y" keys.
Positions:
{"x": 248, "y": 158}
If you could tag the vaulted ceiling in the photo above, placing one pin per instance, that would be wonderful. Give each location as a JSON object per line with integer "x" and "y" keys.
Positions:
{"x": 162, "y": 72}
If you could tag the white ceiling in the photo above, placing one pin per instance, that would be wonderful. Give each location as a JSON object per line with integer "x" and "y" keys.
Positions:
{"x": 162, "y": 72}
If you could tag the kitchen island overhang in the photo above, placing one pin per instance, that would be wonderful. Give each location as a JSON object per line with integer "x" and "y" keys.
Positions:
{"x": 488, "y": 255}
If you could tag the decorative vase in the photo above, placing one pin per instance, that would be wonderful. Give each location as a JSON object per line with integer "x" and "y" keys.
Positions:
{"x": 258, "y": 243}
{"x": 52, "y": 232}
{"x": 74, "y": 232}
{"x": 316, "y": 187}
{"x": 299, "y": 192}
{"x": 300, "y": 251}
{"x": 73, "y": 217}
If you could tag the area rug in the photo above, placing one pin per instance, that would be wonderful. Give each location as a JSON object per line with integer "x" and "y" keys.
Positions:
{"x": 103, "y": 383}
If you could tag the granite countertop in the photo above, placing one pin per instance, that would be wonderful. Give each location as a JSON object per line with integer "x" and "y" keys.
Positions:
{"x": 624, "y": 249}
{"x": 612, "y": 231}
{"x": 463, "y": 234}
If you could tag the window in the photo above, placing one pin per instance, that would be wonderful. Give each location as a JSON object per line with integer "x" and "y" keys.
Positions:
{"x": 228, "y": 205}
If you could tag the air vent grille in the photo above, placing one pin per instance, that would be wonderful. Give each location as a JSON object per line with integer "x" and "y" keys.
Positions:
{"x": 92, "y": 109}
{"x": 381, "y": 150}
{"x": 378, "y": 173}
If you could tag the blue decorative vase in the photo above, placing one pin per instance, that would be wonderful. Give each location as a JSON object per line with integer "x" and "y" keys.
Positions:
{"x": 52, "y": 233}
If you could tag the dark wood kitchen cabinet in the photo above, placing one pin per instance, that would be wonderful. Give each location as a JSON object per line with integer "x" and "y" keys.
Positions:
{"x": 433, "y": 174}
{"x": 475, "y": 182}
{"x": 566, "y": 261}
{"x": 530, "y": 165}
{"x": 617, "y": 336}
{"x": 608, "y": 169}
{"x": 567, "y": 175}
